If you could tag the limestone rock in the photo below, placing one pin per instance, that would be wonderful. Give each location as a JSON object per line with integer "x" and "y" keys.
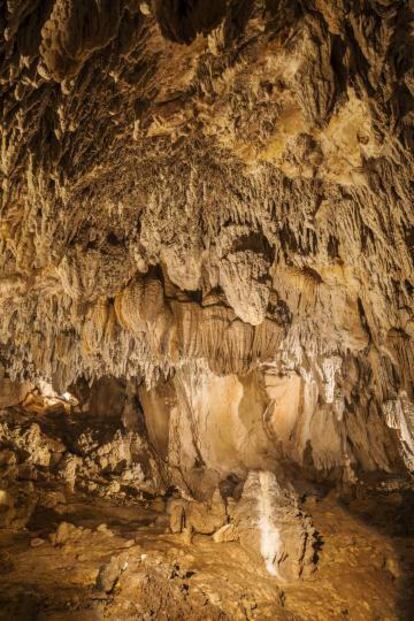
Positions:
{"x": 207, "y": 230}
{"x": 12, "y": 393}
{"x": 177, "y": 515}
{"x": 270, "y": 523}
{"x": 400, "y": 415}
{"x": 17, "y": 504}
{"x": 68, "y": 533}
{"x": 226, "y": 533}
{"x": 110, "y": 573}
{"x": 208, "y": 517}
{"x": 200, "y": 517}
{"x": 28, "y": 441}
{"x": 253, "y": 202}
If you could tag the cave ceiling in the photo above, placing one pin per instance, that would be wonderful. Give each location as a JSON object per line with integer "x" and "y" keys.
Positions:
{"x": 216, "y": 183}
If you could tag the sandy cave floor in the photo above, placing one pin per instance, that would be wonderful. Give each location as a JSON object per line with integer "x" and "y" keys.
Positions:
{"x": 124, "y": 565}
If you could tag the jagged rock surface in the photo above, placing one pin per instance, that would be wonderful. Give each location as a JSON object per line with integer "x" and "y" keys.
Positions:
{"x": 270, "y": 522}
{"x": 215, "y": 200}
{"x": 100, "y": 456}
{"x": 263, "y": 516}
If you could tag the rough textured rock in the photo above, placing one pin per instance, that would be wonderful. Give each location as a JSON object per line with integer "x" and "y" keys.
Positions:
{"x": 265, "y": 519}
{"x": 97, "y": 455}
{"x": 269, "y": 522}
{"x": 12, "y": 393}
{"x": 227, "y": 185}
{"x": 207, "y": 427}
{"x": 201, "y": 517}
{"x": 207, "y": 236}
{"x": 79, "y": 541}
{"x": 109, "y": 574}
{"x": 17, "y": 503}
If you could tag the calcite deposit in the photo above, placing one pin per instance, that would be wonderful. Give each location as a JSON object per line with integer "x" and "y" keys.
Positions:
{"x": 207, "y": 276}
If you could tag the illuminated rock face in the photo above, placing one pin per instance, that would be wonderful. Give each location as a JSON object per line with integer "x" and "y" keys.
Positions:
{"x": 208, "y": 426}
{"x": 215, "y": 201}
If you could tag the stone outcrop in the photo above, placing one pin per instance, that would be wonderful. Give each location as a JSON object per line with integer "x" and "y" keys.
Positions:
{"x": 263, "y": 516}
{"x": 207, "y": 427}
{"x": 269, "y": 522}
{"x": 103, "y": 458}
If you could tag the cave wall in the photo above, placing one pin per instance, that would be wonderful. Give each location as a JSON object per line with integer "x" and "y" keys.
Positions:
{"x": 207, "y": 427}
{"x": 215, "y": 199}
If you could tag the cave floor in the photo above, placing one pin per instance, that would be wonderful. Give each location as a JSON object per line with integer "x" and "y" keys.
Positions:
{"x": 117, "y": 562}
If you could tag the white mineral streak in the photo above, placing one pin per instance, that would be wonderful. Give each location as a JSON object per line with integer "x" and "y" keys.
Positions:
{"x": 310, "y": 399}
{"x": 330, "y": 366}
{"x": 399, "y": 415}
{"x": 270, "y": 541}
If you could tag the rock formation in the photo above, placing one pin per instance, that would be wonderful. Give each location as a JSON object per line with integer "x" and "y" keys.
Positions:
{"x": 207, "y": 233}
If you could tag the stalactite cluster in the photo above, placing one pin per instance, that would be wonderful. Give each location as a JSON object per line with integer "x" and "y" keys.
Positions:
{"x": 211, "y": 203}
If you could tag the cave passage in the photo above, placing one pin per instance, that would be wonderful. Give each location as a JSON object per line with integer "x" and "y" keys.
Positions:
{"x": 206, "y": 310}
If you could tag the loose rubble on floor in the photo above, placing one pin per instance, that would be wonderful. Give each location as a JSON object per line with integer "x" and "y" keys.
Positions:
{"x": 87, "y": 531}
